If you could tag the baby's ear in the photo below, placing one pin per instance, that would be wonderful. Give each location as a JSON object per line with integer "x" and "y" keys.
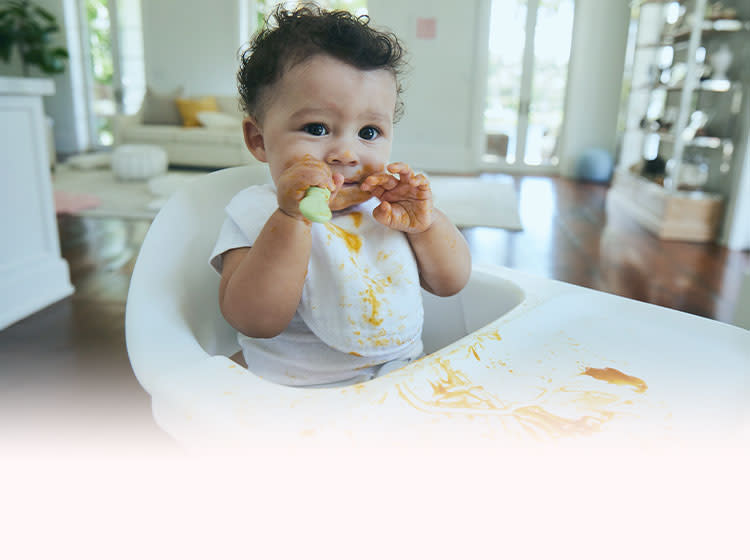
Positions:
{"x": 254, "y": 139}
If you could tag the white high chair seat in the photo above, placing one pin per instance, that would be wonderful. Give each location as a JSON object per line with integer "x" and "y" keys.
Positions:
{"x": 512, "y": 355}
{"x": 175, "y": 333}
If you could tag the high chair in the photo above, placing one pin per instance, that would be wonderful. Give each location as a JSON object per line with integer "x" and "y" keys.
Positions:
{"x": 511, "y": 356}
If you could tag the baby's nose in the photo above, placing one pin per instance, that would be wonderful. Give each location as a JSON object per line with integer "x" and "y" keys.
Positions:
{"x": 342, "y": 155}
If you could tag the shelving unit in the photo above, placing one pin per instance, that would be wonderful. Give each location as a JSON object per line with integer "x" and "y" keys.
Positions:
{"x": 682, "y": 117}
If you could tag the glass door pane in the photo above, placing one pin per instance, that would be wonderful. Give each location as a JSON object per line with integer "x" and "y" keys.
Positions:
{"x": 506, "y": 49}
{"x": 552, "y": 39}
{"x": 102, "y": 105}
{"x": 128, "y": 55}
{"x": 529, "y": 49}
{"x": 113, "y": 46}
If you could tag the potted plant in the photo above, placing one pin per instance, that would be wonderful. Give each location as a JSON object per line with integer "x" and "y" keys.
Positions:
{"x": 28, "y": 27}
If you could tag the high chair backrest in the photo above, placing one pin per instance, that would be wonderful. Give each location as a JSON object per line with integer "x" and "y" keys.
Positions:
{"x": 172, "y": 313}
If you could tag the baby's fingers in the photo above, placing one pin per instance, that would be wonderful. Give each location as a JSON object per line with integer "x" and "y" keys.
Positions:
{"x": 378, "y": 183}
{"x": 420, "y": 180}
{"x": 378, "y": 179}
{"x": 405, "y": 173}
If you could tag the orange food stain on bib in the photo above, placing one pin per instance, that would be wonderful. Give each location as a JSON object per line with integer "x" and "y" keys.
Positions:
{"x": 356, "y": 218}
{"x": 352, "y": 240}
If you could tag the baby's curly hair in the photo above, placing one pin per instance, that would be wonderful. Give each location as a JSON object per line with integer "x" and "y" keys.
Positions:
{"x": 305, "y": 32}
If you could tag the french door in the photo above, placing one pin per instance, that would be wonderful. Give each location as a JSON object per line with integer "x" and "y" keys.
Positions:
{"x": 529, "y": 50}
{"x": 112, "y": 47}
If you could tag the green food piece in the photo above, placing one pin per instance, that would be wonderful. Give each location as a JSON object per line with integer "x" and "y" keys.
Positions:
{"x": 314, "y": 206}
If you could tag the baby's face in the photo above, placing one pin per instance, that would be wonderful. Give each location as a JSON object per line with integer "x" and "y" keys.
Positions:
{"x": 336, "y": 113}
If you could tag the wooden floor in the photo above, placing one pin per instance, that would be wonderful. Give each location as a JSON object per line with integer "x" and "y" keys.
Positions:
{"x": 64, "y": 371}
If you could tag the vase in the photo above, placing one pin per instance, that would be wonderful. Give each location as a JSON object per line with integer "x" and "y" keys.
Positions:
{"x": 721, "y": 60}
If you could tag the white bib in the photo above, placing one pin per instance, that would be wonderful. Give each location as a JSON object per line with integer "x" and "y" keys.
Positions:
{"x": 362, "y": 294}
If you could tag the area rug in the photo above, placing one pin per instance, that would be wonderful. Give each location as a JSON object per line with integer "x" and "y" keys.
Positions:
{"x": 73, "y": 203}
{"x": 467, "y": 201}
{"x": 98, "y": 193}
{"x": 470, "y": 201}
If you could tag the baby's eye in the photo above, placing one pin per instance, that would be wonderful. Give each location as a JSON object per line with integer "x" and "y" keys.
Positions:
{"x": 369, "y": 133}
{"x": 316, "y": 129}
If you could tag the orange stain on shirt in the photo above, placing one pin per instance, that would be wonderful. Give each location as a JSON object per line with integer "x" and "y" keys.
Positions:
{"x": 356, "y": 218}
{"x": 352, "y": 240}
{"x": 370, "y": 295}
{"x": 372, "y": 300}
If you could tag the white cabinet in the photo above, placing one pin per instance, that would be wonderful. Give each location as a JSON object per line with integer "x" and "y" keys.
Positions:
{"x": 32, "y": 272}
{"x": 684, "y": 118}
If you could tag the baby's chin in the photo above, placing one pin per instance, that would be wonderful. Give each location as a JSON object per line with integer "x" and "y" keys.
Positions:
{"x": 349, "y": 196}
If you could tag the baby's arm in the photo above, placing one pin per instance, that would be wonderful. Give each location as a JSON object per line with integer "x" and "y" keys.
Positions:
{"x": 442, "y": 254}
{"x": 261, "y": 286}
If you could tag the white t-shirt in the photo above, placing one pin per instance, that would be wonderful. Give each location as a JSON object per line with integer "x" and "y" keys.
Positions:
{"x": 361, "y": 304}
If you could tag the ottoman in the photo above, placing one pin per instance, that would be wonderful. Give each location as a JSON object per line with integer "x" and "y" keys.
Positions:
{"x": 138, "y": 162}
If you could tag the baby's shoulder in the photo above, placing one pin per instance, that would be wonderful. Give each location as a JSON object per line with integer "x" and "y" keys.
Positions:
{"x": 253, "y": 202}
{"x": 253, "y": 194}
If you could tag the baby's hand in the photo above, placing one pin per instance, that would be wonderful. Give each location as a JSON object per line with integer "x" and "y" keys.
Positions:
{"x": 405, "y": 201}
{"x": 293, "y": 183}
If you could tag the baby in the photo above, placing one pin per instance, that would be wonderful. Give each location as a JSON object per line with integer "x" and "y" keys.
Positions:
{"x": 336, "y": 302}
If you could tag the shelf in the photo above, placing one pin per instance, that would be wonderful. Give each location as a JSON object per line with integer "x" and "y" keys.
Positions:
{"x": 687, "y": 38}
{"x": 670, "y": 215}
{"x": 652, "y": 45}
{"x": 708, "y": 142}
{"x": 717, "y": 86}
{"x": 709, "y": 27}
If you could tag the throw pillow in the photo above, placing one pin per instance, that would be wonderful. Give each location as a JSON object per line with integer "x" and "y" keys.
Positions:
{"x": 212, "y": 119}
{"x": 189, "y": 109}
{"x": 160, "y": 108}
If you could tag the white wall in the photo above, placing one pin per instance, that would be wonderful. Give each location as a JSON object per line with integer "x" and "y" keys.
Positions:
{"x": 597, "y": 61}
{"x": 438, "y": 131}
{"x": 736, "y": 230}
{"x": 67, "y": 107}
{"x": 191, "y": 43}
{"x": 444, "y": 101}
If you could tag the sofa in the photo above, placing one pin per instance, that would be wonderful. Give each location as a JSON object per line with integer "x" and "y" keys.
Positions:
{"x": 212, "y": 138}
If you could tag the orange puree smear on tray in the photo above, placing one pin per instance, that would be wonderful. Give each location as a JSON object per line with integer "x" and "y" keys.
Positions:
{"x": 616, "y": 377}
{"x": 561, "y": 411}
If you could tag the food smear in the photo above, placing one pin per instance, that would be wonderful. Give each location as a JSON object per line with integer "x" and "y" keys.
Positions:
{"x": 566, "y": 406}
{"x": 352, "y": 240}
{"x": 616, "y": 377}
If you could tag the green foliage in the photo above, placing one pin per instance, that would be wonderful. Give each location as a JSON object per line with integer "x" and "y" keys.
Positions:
{"x": 29, "y": 28}
{"x": 100, "y": 41}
